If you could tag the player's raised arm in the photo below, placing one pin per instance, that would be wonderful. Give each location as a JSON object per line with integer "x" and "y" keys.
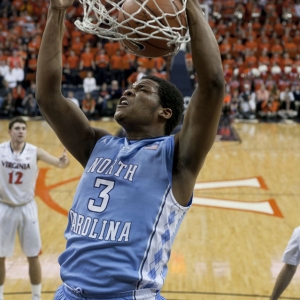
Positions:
{"x": 201, "y": 119}
{"x": 66, "y": 119}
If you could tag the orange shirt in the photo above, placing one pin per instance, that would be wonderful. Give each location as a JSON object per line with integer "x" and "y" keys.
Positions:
{"x": 291, "y": 48}
{"x": 272, "y": 107}
{"x": 127, "y": 61}
{"x": 225, "y": 48}
{"x": 279, "y": 29}
{"x": 111, "y": 48}
{"x": 34, "y": 46}
{"x": 227, "y": 99}
{"x": 132, "y": 78}
{"x": 102, "y": 60}
{"x": 87, "y": 59}
{"x": 277, "y": 48}
{"x": 73, "y": 61}
{"x": 252, "y": 45}
{"x": 237, "y": 48}
{"x": 88, "y": 105}
{"x": 77, "y": 48}
{"x": 287, "y": 62}
{"x": 17, "y": 4}
{"x": 160, "y": 62}
{"x": 264, "y": 60}
{"x": 143, "y": 62}
{"x": 75, "y": 34}
{"x": 116, "y": 62}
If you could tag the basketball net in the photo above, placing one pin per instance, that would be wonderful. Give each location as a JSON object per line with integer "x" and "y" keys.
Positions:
{"x": 100, "y": 18}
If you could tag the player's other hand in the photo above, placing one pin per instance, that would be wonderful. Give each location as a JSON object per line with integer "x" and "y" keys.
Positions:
{"x": 63, "y": 159}
{"x": 61, "y": 4}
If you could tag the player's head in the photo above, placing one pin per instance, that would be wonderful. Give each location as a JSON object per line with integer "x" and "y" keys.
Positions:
{"x": 170, "y": 97}
{"x": 16, "y": 120}
{"x": 17, "y": 129}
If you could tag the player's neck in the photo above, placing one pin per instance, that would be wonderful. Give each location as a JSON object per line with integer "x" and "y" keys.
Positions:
{"x": 17, "y": 147}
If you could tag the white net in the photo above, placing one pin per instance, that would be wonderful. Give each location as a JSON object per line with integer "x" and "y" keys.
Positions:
{"x": 101, "y": 18}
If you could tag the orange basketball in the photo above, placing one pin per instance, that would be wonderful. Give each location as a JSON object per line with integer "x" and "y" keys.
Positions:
{"x": 136, "y": 28}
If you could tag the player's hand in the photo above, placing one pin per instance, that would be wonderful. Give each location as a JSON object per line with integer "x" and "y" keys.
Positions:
{"x": 64, "y": 160}
{"x": 61, "y": 4}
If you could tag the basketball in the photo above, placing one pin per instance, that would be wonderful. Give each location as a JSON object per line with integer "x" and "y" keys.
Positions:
{"x": 133, "y": 17}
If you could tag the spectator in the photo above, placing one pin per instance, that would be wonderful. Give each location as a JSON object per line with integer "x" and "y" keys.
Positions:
{"x": 296, "y": 94}
{"x": 87, "y": 62}
{"x": 89, "y": 106}
{"x": 12, "y": 77}
{"x": 29, "y": 106}
{"x": 269, "y": 108}
{"x": 4, "y": 68}
{"x": 102, "y": 63}
{"x": 18, "y": 94}
{"x": 234, "y": 104}
{"x": 115, "y": 93}
{"x": 116, "y": 65}
{"x": 72, "y": 98}
{"x": 226, "y": 103}
{"x": 287, "y": 106}
{"x": 8, "y": 107}
{"x": 15, "y": 59}
{"x": 247, "y": 105}
{"x": 262, "y": 95}
{"x": 104, "y": 96}
{"x": 77, "y": 46}
{"x": 32, "y": 63}
{"x": 89, "y": 83}
{"x": 141, "y": 73}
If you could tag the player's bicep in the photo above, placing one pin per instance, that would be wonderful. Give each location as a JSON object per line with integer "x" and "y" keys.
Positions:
{"x": 71, "y": 126}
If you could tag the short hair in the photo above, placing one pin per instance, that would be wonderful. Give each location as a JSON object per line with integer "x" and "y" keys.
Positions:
{"x": 170, "y": 97}
{"x": 16, "y": 120}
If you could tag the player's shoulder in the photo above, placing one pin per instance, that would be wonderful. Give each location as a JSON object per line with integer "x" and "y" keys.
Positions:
{"x": 4, "y": 145}
{"x": 297, "y": 231}
{"x": 30, "y": 147}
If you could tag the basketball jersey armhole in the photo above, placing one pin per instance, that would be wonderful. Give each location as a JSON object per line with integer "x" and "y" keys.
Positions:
{"x": 169, "y": 165}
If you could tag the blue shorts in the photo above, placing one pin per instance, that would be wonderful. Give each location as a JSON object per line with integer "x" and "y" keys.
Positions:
{"x": 66, "y": 293}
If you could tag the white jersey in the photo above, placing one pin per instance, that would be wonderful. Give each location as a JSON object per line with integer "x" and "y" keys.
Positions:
{"x": 291, "y": 254}
{"x": 18, "y": 174}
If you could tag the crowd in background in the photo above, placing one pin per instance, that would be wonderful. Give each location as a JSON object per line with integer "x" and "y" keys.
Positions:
{"x": 259, "y": 42}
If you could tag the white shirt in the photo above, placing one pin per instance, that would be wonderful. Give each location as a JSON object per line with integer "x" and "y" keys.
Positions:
{"x": 11, "y": 78}
{"x": 291, "y": 254}
{"x": 75, "y": 101}
{"x": 4, "y": 70}
{"x": 283, "y": 95}
{"x": 19, "y": 73}
{"x": 89, "y": 84}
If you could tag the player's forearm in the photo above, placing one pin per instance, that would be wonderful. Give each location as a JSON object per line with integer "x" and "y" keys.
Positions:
{"x": 284, "y": 278}
{"x": 49, "y": 64}
{"x": 205, "y": 49}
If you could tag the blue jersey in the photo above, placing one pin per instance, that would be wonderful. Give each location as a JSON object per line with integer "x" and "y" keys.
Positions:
{"x": 124, "y": 218}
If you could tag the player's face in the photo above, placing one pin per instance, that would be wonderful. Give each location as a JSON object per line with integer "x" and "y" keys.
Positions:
{"x": 139, "y": 103}
{"x": 18, "y": 132}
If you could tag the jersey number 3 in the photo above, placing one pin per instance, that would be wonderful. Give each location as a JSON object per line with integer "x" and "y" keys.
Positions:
{"x": 15, "y": 178}
{"x": 104, "y": 194}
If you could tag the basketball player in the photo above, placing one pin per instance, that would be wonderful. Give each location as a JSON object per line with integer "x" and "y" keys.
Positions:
{"x": 18, "y": 210}
{"x": 135, "y": 190}
{"x": 291, "y": 259}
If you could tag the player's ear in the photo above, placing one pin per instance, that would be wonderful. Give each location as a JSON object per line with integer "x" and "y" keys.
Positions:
{"x": 165, "y": 113}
